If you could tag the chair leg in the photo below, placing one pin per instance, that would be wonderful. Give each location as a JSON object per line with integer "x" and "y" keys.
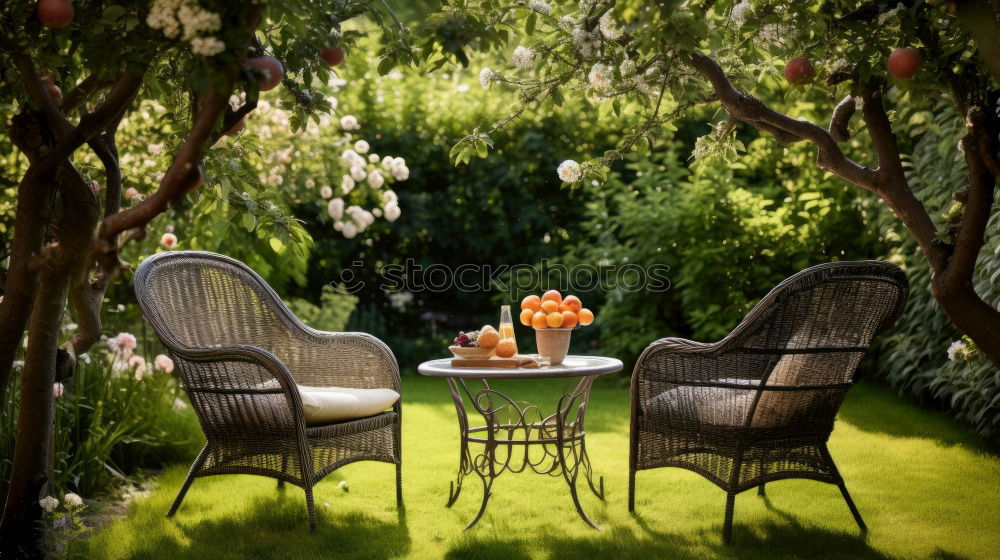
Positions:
{"x": 311, "y": 509}
{"x": 631, "y": 490}
{"x": 399, "y": 485}
{"x": 843, "y": 490}
{"x": 854, "y": 509}
{"x": 727, "y": 525}
{"x": 192, "y": 473}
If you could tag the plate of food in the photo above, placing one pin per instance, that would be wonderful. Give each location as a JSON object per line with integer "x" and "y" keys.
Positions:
{"x": 476, "y": 344}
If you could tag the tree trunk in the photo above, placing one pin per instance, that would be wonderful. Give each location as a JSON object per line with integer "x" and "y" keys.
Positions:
{"x": 21, "y": 528}
{"x": 34, "y": 212}
{"x": 973, "y": 316}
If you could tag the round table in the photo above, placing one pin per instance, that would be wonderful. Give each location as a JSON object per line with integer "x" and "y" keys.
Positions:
{"x": 512, "y": 428}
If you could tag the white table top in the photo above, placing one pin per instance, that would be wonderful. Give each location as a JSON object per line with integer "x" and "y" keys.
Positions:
{"x": 572, "y": 366}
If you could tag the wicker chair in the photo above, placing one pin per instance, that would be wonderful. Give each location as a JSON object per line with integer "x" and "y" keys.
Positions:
{"x": 759, "y": 405}
{"x": 240, "y": 352}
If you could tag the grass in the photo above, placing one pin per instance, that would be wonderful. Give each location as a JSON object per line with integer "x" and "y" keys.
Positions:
{"x": 926, "y": 487}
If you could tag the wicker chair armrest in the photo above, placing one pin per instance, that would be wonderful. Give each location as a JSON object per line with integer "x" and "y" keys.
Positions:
{"x": 251, "y": 378}
{"x": 342, "y": 359}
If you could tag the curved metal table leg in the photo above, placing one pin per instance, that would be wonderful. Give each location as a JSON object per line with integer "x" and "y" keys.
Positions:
{"x": 509, "y": 426}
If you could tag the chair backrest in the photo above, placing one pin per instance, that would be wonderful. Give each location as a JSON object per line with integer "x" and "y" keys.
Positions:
{"x": 813, "y": 329}
{"x": 201, "y": 300}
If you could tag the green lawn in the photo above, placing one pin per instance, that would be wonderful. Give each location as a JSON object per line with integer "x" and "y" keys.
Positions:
{"x": 926, "y": 488}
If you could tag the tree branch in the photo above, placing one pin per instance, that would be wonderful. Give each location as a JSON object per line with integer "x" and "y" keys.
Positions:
{"x": 841, "y": 117}
{"x": 754, "y": 112}
{"x": 896, "y": 189}
{"x": 979, "y": 202}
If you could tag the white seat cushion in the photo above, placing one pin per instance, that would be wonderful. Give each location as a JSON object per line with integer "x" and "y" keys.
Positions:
{"x": 323, "y": 405}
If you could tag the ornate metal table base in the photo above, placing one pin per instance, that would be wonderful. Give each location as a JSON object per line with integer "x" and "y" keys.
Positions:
{"x": 518, "y": 438}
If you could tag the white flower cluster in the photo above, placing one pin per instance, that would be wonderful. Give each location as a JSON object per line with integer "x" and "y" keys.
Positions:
{"x": 523, "y": 57}
{"x": 487, "y": 76}
{"x": 959, "y": 350}
{"x": 600, "y": 77}
{"x": 570, "y": 171}
{"x": 207, "y": 46}
{"x": 889, "y": 14}
{"x": 586, "y": 43}
{"x": 49, "y": 504}
{"x": 740, "y": 12}
{"x": 73, "y": 500}
{"x": 349, "y": 122}
{"x": 186, "y": 20}
{"x": 540, "y": 6}
{"x": 609, "y": 27}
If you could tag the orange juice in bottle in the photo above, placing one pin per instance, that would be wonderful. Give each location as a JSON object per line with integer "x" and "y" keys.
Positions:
{"x": 506, "y": 324}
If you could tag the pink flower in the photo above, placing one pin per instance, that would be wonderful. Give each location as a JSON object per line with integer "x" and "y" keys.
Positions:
{"x": 124, "y": 343}
{"x": 164, "y": 363}
{"x": 131, "y": 193}
{"x": 57, "y": 390}
{"x": 168, "y": 240}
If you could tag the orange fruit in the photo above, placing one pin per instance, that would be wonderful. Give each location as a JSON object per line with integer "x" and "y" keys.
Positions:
{"x": 534, "y": 303}
{"x": 563, "y": 307}
{"x": 586, "y": 316}
{"x": 550, "y": 306}
{"x": 488, "y": 338}
{"x": 539, "y": 320}
{"x": 569, "y": 319}
{"x": 555, "y": 320}
{"x": 507, "y": 348}
{"x": 552, "y": 295}
{"x": 526, "y": 315}
{"x": 573, "y": 303}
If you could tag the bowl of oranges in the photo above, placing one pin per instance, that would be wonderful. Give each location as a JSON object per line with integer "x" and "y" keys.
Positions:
{"x": 554, "y": 318}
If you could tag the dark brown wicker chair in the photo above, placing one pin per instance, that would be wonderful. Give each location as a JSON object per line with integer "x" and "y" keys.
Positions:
{"x": 240, "y": 351}
{"x": 759, "y": 405}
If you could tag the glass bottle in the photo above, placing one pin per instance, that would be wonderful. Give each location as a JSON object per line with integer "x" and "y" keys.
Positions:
{"x": 506, "y": 324}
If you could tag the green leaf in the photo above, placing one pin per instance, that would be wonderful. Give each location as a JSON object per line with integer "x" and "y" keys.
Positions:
{"x": 529, "y": 24}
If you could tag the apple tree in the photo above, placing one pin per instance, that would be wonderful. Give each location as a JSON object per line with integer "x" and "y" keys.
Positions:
{"x": 70, "y": 74}
{"x": 650, "y": 63}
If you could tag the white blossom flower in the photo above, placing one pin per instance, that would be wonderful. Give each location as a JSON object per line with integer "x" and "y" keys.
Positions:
{"x": 73, "y": 500}
{"x": 179, "y": 404}
{"x": 347, "y": 184}
{"x": 155, "y": 149}
{"x": 326, "y": 192}
{"x": 387, "y": 162}
{"x": 163, "y": 363}
{"x": 49, "y": 503}
{"x": 338, "y": 226}
{"x": 600, "y": 77}
{"x": 540, "y": 6}
{"x": 310, "y": 183}
{"x": 627, "y": 68}
{"x": 486, "y": 77}
{"x": 392, "y": 212}
{"x": 609, "y": 27}
{"x": 207, "y": 46}
{"x": 389, "y": 197}
{"x": 168, "y": 240}
{"x": 335, "y": 208}
{"x": 373, "y": 158}
{"x": 85, "y": 358}
{"x": 361, "y": 147}
{"x": 57, "y": 390}
{"x": 358, "y": 173}
{"x": 959, "y": 350}
{"x": 523, "y": 57}
{"x": 740, "y": 13}
{"x": 350, "y": 230}
{"x": 375, "y": 179}
{"x": 131, "y": 193}
{"x": 349, "y": 122}
{"x": 889, "y": 14}
{"x": 570, "y": 171}
{"x": 377, "y": 212}
{"x": 139, "y": 363}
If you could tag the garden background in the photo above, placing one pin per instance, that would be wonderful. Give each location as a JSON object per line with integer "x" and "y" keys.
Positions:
{"x": 729, "y": 227}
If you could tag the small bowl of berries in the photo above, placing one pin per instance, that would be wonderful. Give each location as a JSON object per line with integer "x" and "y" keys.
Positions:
{"x": 467, "y": 344}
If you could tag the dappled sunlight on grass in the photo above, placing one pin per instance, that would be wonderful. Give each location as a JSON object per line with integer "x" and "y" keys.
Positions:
{"x": 926, "y": 489}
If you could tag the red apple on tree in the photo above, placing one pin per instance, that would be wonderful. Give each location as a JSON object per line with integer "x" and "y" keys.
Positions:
{"x": 333, "y": 56}
{"x": 799, "y": 70}
{"x": 903, "y": 63}
{"x": 270, "y": 67}
{"x": 55, "y": 14}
